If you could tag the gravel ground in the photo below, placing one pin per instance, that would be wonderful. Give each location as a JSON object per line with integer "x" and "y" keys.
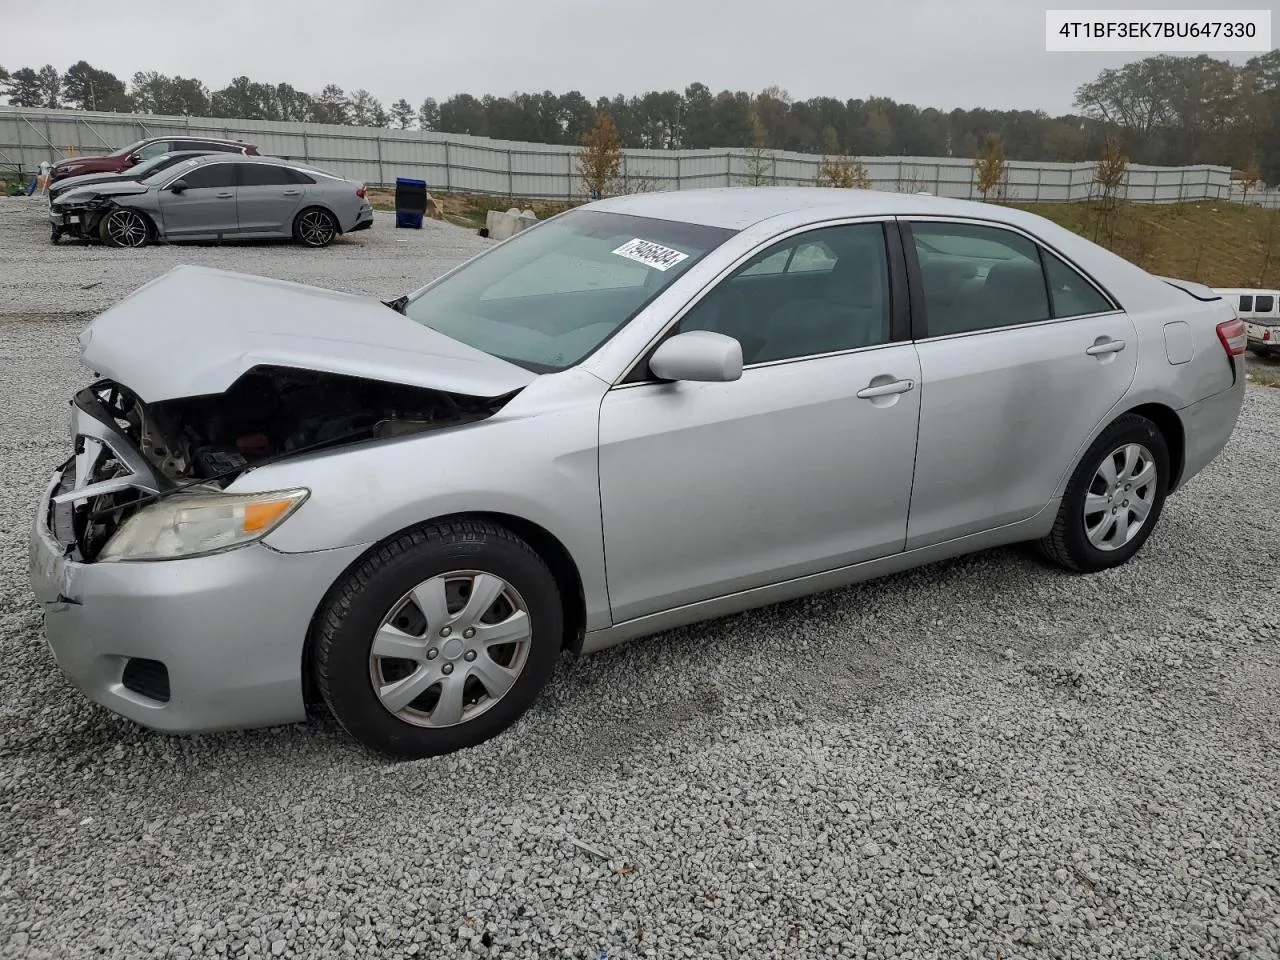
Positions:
{"x": 983, "y": 758}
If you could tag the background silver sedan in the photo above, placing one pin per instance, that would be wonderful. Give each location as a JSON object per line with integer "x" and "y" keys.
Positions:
{"x": 216, "y": 197}
{"x": 643, "y": 413}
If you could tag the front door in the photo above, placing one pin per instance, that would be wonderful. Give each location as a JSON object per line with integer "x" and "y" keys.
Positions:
{"x": 802, "y": 465}
{"x": 1013, "y": 382}
{"x": 207, "y": 207}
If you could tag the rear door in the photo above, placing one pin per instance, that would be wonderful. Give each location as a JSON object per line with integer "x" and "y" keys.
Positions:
{"x": 207, "y": 207}
{"x": 267, "y": 198}
{"x": 1021, "y": 358}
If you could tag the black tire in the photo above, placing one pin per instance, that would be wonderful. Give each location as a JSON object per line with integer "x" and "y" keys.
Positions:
{"x": 315, "y": 227}
{"x": 55, "y": 235}
{"x": 355, "y": 610}
{"x": 1067, "y": 544}
{"x": 123, "y": 227}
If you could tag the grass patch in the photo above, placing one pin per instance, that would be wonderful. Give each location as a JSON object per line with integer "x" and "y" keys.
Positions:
{"x": 470, "y": 209}
{"x": 1265, "y": 372}
{"x": 1218, "y": 244}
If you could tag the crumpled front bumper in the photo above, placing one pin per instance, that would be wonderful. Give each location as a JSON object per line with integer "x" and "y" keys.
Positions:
{"x": 229, "y": 628}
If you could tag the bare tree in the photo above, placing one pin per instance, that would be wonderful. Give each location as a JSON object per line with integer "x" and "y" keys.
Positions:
{"x": 757, "y": 160}
{"x": 846, "y": 172}
{"x": 1250, "y": 177}
{"x": 991, "y": 168}
{"x": 600, "y": 157}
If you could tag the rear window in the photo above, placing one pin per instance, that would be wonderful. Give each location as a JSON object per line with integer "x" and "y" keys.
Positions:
{"x": 1264, "y": 304}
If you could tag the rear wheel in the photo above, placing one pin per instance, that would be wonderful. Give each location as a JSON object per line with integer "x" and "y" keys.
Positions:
{"x": 315, "y": 228}
{"x": 1114, "y": 498}
{"x": 124, "y": 228}
{"x": 439, "y": 640}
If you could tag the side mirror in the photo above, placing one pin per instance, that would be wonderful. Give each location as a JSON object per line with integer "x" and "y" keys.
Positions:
{"x": 178, "y": 186}
{"x": 698, "y": 355}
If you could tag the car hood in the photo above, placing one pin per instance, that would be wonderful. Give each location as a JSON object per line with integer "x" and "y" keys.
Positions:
{"x": 88, "y": 164}
{"x": 118, "y": 188}
{"x": 194, "y": 331}
{"x": 85, "y": 179}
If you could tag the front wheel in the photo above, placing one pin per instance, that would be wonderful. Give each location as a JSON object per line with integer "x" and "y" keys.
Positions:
{"x": 315, "y": 228}
{"x": 124, "y": 228}
{"x": 1114, "y": 498}
{"x": 439, "y": 640}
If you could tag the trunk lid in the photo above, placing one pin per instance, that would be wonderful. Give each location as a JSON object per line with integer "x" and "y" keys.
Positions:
{"x": 194, "y": 331}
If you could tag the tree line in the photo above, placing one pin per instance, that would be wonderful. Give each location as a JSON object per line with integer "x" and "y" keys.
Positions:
{"x": 1164, "y": 110}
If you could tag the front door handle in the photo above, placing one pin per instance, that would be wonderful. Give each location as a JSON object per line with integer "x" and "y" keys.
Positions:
{"x": 1103, "y": 346}
{"x": 292, "y": 193}
{"x": 225, "y": 196}
{"x": 886, "y": 389}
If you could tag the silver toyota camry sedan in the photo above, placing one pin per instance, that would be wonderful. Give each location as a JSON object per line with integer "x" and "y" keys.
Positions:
{"x": 642, "y": 413}
{"x": 218, "y": 196}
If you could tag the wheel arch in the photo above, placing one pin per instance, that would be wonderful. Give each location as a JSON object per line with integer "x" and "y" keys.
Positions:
{"x": 1169, "y": 424}
{"x": 546, "y": 544}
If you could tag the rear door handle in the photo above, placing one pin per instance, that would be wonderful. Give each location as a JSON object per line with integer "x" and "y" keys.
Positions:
{"x": 1102, "y": 346}
{"x": 225, "y": 196}
{"x": 886, "y": 389}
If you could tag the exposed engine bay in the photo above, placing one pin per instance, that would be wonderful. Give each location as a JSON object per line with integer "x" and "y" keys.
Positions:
{"x": 206, "y": 441}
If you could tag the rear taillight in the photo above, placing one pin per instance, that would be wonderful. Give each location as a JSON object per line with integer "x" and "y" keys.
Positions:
{"x": 1266, "y": 334}
{"x": 1234, "y": 336}
{"x": 360, "y": 193}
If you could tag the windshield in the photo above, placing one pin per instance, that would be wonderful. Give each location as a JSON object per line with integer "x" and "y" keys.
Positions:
{"x": 155, "y": 164}
{"x": 551, "y": 295}
{"x": 125, "y": 151}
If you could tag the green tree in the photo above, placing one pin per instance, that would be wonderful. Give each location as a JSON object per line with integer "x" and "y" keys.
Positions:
{"x": 86, "y": 87}
{"x": 331, "y": 106}
{"x": 429, "y": 115}
{"x": 24, "y": 88}
{"x": 403, "y": 114}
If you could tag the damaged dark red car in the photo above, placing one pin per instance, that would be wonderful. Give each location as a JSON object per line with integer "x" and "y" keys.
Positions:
{"x": 135, "y": 153}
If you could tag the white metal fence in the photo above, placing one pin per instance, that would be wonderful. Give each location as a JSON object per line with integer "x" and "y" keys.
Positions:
{"x": 459, "y": 163}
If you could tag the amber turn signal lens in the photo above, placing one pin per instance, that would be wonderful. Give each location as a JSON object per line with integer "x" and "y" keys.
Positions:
{"x": 258, "y": 516}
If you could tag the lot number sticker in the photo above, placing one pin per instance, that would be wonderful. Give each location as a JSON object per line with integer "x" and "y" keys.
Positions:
{"x": 651, "y": 254}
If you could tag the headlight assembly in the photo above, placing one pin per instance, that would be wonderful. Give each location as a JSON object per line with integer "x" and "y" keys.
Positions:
{"x": 198, "y": 524}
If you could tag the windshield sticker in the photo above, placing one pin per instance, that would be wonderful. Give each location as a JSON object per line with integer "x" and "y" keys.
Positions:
{"x": 651, "y": 254}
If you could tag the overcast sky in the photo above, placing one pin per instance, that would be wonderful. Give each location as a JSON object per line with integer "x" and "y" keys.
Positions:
{"x": 941, "y": 53}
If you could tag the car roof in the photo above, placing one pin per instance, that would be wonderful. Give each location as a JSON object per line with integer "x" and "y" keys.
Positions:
{"x": 204, "y": 160}
{"x": 737, "y": 208}
{"x": 196, "y": 138}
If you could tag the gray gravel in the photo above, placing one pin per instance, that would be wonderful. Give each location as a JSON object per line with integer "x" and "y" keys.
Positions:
{"x": 983, "y": 758}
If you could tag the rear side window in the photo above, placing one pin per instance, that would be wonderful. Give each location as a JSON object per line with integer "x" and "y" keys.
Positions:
{"x": 978, "y": 278}
{"x": 1264, "y": 304}
{"x": 214, "y": 175}
{"x": 1071, "y": 294}
{"x": 1246, "y": 302}
{"x": 297, "y": 176}
{"x": 264, "y": 175}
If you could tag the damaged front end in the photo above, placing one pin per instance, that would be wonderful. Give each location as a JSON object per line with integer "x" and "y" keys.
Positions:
{"x": 129, "y": 454}
{"x": 79, "y": 215}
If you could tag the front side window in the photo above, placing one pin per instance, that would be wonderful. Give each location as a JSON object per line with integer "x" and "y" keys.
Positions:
{"x": 978, "y": 278}
{"x": 819, "y": 292}
{"x": 1264, "y": 303}
{"x": 213, "y": 175}
{"x": 549, "y": 296}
